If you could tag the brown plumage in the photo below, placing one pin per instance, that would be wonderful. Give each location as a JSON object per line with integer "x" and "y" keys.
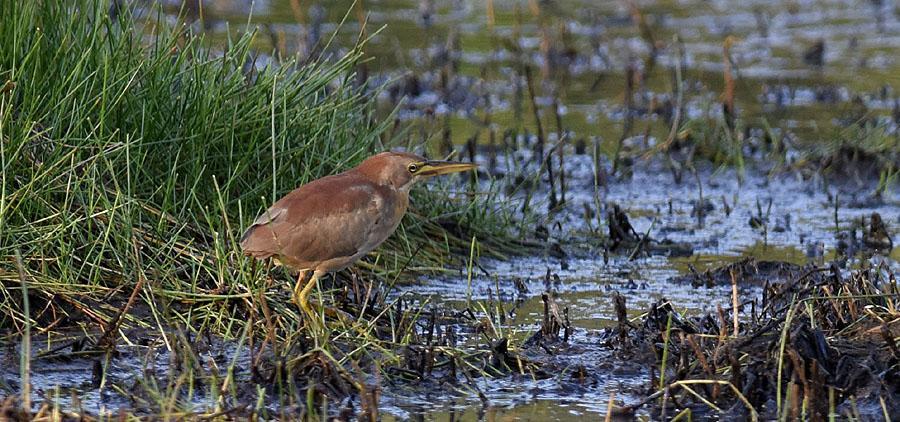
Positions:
{"x": 329, "y": 223}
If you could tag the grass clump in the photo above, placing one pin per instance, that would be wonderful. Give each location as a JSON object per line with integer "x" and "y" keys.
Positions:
{"x": 135, "y": 152}
{"x": 131, "y": 155}
{"x": 130, "y": 150}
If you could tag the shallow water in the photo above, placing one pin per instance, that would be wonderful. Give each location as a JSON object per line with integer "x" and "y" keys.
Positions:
{"x": 586, "y": 282}
{"x": 580, "y": 51}
{"x": 810, "y": 101}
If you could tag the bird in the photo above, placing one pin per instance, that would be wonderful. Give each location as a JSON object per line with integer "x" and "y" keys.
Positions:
{"x": 329, "y": 223}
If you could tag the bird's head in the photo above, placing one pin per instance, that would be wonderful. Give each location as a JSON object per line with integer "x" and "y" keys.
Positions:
{"x": 403, "y": 169}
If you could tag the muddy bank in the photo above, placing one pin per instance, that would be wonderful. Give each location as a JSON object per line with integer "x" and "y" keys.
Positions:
{"x": 544, "y": 330}
{"x": 634, "y": 218}
{"x": 814, "y": 344}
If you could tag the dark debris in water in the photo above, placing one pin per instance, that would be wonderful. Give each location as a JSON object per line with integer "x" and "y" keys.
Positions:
{"x": 297, "y": 378}
{"x": 748, "y": 271}
{"x": 816, "y": 344}
{"x": 623, "y": 238}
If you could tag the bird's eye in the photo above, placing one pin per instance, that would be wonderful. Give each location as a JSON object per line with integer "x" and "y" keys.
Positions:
{"x": 413, "y": 168}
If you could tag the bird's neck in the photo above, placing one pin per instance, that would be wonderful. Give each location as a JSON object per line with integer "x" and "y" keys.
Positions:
{"x": 387, "y": 179}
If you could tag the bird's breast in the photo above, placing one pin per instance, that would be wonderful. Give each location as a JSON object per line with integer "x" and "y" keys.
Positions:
{"x": 391, "y": 206}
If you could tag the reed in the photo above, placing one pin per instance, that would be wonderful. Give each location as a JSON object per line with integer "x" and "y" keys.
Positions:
{"x": 131, "y": 150}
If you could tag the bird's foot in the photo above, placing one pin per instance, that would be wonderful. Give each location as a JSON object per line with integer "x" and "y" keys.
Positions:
{"x": 308, "y": 310}
{"x": 333, "y": 312}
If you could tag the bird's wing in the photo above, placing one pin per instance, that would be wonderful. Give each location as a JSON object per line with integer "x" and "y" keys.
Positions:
{"x": 325, "y": 219}
{"x": 265, "y": 218}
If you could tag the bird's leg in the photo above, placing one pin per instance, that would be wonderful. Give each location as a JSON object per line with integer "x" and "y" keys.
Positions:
{"x": 298, "y": 287}
{"x": 303, "y": 297}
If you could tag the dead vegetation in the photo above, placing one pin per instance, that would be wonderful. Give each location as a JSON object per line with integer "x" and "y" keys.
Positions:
{"x": 278, "y": 367}
{"x": 816, "y": 339}
{"x": 817, "y": 343}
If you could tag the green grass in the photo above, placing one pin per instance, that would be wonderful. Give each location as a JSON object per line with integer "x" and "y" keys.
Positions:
{"x": 133, "y": 155}
{"x": 130, "y": 150}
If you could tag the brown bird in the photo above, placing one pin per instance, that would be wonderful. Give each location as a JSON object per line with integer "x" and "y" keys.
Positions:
{"x": 329, "y": 223}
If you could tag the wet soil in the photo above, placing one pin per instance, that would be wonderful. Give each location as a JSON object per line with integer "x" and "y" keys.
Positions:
{"x": 811, "y": 69}
{"x": 584, "y": 276}
{"x": 576, "y": 365}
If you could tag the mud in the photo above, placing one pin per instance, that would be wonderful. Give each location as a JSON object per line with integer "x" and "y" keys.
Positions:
{"x": 623, "y": 243}
{"x": 561, "y": 358}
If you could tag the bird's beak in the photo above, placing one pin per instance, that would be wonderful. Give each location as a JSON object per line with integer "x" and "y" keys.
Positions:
{"x": 436, "y": 168}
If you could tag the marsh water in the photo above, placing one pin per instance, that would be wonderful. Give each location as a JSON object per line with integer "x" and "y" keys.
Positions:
{"x": 803, "y": 67}
{"x": 586, "y": 281}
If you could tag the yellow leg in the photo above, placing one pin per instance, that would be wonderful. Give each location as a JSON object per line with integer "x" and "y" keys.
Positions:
{"x": 298, "y": 286}
{"x": 303, "y": 296}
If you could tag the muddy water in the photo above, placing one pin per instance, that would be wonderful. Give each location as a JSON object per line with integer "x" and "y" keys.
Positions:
{"x": 102, "y": 384}
{"x": 801, "y": 230}
{"x": 585, "y": 282}
{"x": 583, "y": 67}
{"x": 581, "y": 50}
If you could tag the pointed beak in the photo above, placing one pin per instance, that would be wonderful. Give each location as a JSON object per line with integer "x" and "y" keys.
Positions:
{"x": 436, "y": 168}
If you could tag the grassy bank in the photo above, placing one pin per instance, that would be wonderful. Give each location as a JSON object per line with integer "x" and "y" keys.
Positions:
{"x": 132, "y": 157}
{"x": 132, "y": 152}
